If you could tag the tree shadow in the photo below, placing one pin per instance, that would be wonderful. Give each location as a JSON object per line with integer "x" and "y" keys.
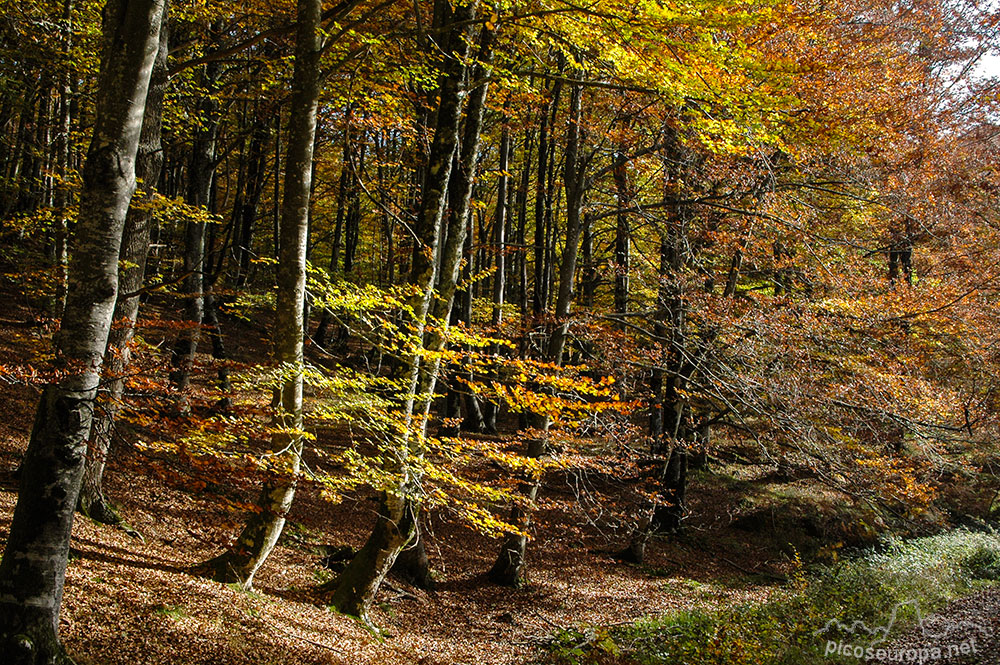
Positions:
{"x": 103, "y": 553}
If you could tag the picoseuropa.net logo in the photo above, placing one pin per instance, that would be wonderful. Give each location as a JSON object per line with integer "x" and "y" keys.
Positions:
{"x": 937, "y": 638}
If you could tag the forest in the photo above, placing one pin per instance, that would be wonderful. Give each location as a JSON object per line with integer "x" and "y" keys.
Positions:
{"x": 475, "y": 331}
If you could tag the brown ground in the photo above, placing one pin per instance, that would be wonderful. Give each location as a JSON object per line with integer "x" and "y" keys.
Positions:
{"x": 129, "y": 601}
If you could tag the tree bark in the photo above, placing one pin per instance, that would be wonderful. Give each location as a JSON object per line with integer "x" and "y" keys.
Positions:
{"x": 490, "y": 408}
{"x": 62, "y": 148}
{"x": 200, "y": 176}
{"x": 667, "y": 418}
{"x": 248, "y": 199}
{"x": 353, "y": 592}
{"x": 264, "y": 526}
{"x": 320, "y": 336}
{"x": 131, "y": 275}
{"x": 33, "y": 568}
{"x": 510, "y": 566}
{"x": 622, "y": 236}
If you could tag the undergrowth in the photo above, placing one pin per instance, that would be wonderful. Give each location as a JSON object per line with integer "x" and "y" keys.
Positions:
{"x": 885, "y": 586}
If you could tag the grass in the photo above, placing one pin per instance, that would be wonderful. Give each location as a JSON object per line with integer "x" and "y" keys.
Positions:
{"x": 172, "y": 611}
{"x": 787, "y": 630}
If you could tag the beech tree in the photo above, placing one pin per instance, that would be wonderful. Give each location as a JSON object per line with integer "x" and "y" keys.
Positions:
{"x": 255, "y": 542}
{"x": 355, "y": 589}
{"x": 131, "y": 277}
{"x": 33, "y": 568}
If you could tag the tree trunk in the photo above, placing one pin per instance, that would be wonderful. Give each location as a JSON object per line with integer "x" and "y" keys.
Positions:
{"x": 263, "y": 528}
{"x": 460, "y": 183}
{"x": 541, "y": 205}
{"x": 622, "y": 236}
{"x": 667, "y": 420}
{"x": 589, "y": 268}
{"x": 249, "y": 199}
{"x": 33, "y": 568}
{"x": 510, "y": 566}
{"x": 214, "y": 330}
{"x": 413, "y": 564}
{"x": 522, "y": 217}
{"x": 355, "y": 589}
{"x": 490, "y": 408}
{"x": 200, "y": 175}
{"x": 473, "y": 419}
{"x": 62, "y": 148}
{"x": 131, "y": 275}
{"x": 320, "y": 336}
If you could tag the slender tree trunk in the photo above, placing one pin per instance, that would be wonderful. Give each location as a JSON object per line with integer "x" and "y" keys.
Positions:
{"x": 353, "y": 592}
{"x": 589, "y": 277}
{"x": 352, "y": 220}
{"x": 131, "y": 275}
{"x": 522, "y": 217}
{"x": 200, "y": 176}
{"x": 459, "y": 238}
{"x": 214, "y": 330}
{"x": 62, "y": 147}
{"x": 668, "y": 416}
{"x": 901, "y": 255}
{"x": 473, "y": 419}
{"x": 249, "y": 199}
{"x": 33, "y": 568}
{"x": 265, "y": 524}
{"x": 622, "y": 237}
{"x": 490, "y": 408}
{"x": 510, "y": 566}
{"x": 541, "y": 204}
{"x": 320, "y": 336}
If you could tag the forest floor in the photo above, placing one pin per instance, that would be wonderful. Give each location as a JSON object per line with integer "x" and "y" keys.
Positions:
{"x": 129, "y": 599}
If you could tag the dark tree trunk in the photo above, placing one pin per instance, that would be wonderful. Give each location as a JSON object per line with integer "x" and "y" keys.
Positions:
{"x": 200, "y": 175}
{"x": 522, "y": 218}
{"x": 33, "y": 568}
{"x": 490, "y": 408}
{"x": 413, "y": 564}
{"x": 510, "y": 566}
{"x": 667, "y": 517}
{"x": 352, "y": 220}
{"x": 473, "y": 419}
{"x": 589, "y": 279}
{"x": 456, "y": 237}
{"x": 674, "y": 411}
{"x": 214, "y": 330}
{"x": 62, "y": 150}
{"x": 901, "y": 256}
{"x": 321, "y": 334}
{"x": 542, "y": 204}
{"x": 248, "y": 199}
{"x": 668, "y": 420}
{"x": 622, "y": 235}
